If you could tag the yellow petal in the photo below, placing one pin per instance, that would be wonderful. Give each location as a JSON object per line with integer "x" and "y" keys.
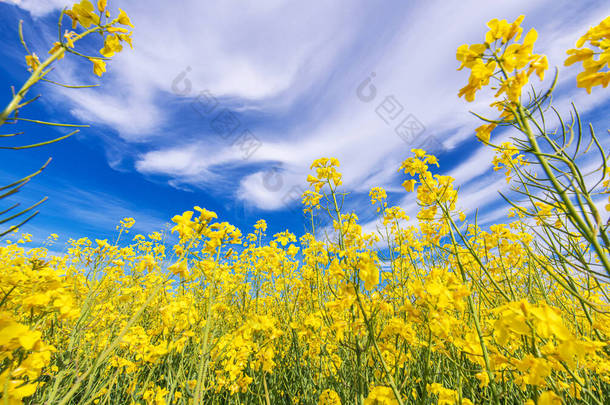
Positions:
{"x": 29, "y": 339}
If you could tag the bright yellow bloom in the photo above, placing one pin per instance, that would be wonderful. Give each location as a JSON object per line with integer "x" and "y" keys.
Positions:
{"x": 483, "y": 60}
{"x": 501, "y": 29}
{"x": 184, "y": 224}
{"x": 513, "y": 86}
{"x": 112, "y": 45}
{"x": 540, "y": 66}
{"x": 484, "y": 132}
{"x": 377, "y": 194}
{"x": 205, "y": 216}
{"x": 409, "y": 185}
{"x": 99, "y": 66}
{"x": 469, "y": 54}
{"x": 549, "y": 398}
{"x": 329, "y": 397}
{"x": 381, "y": 396}
{"x": 594, "y": 60}
{"x": 83, "y": 13}
{"x": 311, "y": 200}
{"x": 32, "y": 61}
{"x": 179, "y": 269}
{"x": 124, "y": 19}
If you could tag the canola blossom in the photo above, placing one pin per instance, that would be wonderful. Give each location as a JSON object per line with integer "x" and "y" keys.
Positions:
{"x": 431, "y": 308}
{"x": 221, "y": 315}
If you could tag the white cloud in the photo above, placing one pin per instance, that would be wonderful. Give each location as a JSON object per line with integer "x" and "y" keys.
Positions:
{"x": 254, "y": 189}
{"x": 39, "y": 8}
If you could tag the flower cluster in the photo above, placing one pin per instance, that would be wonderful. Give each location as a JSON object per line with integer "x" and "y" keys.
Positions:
{"x": 326, "y": 173}
{"x": 230, "y": 317}
{"x": 595, "y": 60}
{"x": 504, "y": 59}
{"x": 429, "y": 310}
{"x": 92, "y": 19}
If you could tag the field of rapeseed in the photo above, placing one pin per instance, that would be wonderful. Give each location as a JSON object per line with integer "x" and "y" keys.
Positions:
{"x": 429, "y": 310}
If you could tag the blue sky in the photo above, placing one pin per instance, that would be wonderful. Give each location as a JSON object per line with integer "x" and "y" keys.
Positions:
{"x": 282, "y": 77}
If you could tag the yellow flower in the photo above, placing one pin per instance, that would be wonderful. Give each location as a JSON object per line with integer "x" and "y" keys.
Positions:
{"x": 124, "y": 19}
{"x": 514, "y": 57}
{"x": 484, "y": 132}
{"x": 32, "y": 61}
{"x": 102, "y": 244}
{"x": 126, "y": 38}
{"x": 184, "y": 224}
{"x": 432, "y": 160}
{"x": 549, "y": 398}
{"x": 261, "y": 225}
{"x": 381, "y": 396}
{"x": 99, "y": 66}
{"x": 56, "y": 46}
{"x": 598, "y": 38}
{"x": 70, "y": 37}
{"x": 311, "y": 200}
{"x": 205, "y": 216}
{"x": 329, "y": 397}
{"x": 483, "y": 378}
{"x": 513, "y": 86}
{"x": 501, "y": 29}
{"x": 409, "y": 185}
{"x": 497, "y": 30}
{"x": 326, "y": 173}
{"x": 83, "y": 13}
{"x": 445, "y": 396}
{"x": 479, "y": 76}
{"x": 377, "y": 194}
{"x": 112, "y": 45}
{"x": 535, "y": 370}
{"x": 517, "y": 56}
{"x": 578, "y": 55}
{"x": 540, "y": 66}
{"x": 369, "y": 271}
{"x": 469, "y": 54}
{"x": 179, "y": 269}
{"x": 419, "y": 153}
{"x": 515, "y": 30}
{"x": 127, "y": 223}
{"x": 591, "y": 78}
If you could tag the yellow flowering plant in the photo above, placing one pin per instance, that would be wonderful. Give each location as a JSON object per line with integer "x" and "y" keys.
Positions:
{"x": 430, "y": 310}
{"x": 596, "y": 59}
{"x": 543, "y": 161}
{"x": 89, "y": 20}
